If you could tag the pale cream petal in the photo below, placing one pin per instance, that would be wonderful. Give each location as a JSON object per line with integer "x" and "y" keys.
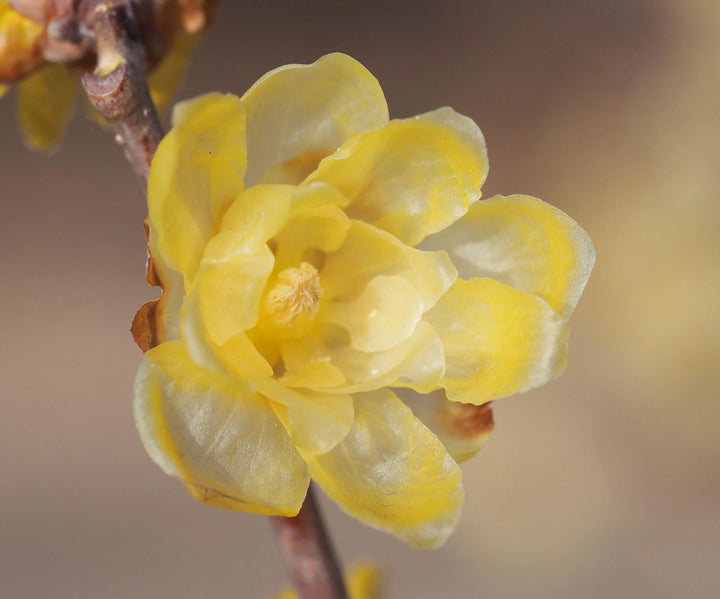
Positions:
{"x": 497, "y": 340}
{"x": 196, "y": 173}
{"x": 418, "y": 362}
{"x": 383, "y": 315}
{"x": 411, "y": 177}
{"x": 525, "y": 243}
{"x": 316, "y": 422}
{"x": 392, "y": 473}
{"x": 298, "y": 114}
{"x": 368, "y": 252}
{"x": 217, "y": 435}
{"x": 462, "y": 428}
{"x": 45, "y": 104}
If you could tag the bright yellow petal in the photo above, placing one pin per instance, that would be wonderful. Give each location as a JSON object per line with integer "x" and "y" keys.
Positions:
{"x": 166, "y": 77}
{"x": 497, "y": 340}
{"x": 392, "y": 473}
{"x": 462, "y": 428}
{"x": 525, "y": 243}
{"x": 411, "y": 177}
{"x": 196, "y": 173}
{"x": 20, "y": 44}
{"x": 297, "y": 114}
{"x": 45, "y": 103}
{"x": 216, "y": 435}
{"x": 316, "y": 422}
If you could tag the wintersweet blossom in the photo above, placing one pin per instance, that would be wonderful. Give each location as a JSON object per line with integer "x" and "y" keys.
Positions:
{"x": 47, "y": 70}
{"x": 337, "y": 304}
{"x": 362, "y": 581}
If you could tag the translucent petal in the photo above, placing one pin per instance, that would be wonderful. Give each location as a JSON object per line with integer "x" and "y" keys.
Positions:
{"x": 392, "y": 473}
{"x": 461, "y": 428}
{"x": 383, "y": 315}
{"x": 418, "y": 363}
{"x": 216, "y": 435}
{"x": 299, "y": 113}
{"x": 497, "y": 340}
{"x": 45, "y": 104}
{"x": 523, "y": 242}
{"x": 234, "y": 354}
{"x": 316, "y": 422}
{"x": 196, "y": 173}
{"x": 411, "y": 177}
{"x": 368, "y": 252}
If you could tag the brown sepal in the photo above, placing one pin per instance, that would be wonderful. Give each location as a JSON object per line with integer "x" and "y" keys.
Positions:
{"x": 468, "y": 420}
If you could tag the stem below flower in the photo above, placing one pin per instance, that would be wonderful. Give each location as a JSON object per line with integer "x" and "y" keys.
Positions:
{"x": 119, "y": 90}
{"x": 309, "y": 554}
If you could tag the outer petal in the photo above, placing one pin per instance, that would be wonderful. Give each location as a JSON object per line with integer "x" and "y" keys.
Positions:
{"x": 462, "y": 428}
{"x": 524, "y": 242}
{"x": 196, "y": 173}
{"x": 411, "y": 177}
{"x": 392, "y": 473}
{"x": 45, "y": 102}
{"x": 497, "y": 340}
{"x": 297, "y": 114}
{"x": 316, "y": 422}
{"x": 219, "y": 437}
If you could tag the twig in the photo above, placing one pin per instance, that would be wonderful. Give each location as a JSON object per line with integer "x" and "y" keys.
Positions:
{"x": 309, "y": 554}
{"x": 121, "y": 95}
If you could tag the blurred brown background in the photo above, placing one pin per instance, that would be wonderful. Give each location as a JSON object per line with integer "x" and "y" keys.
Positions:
{"x": 603, "y": 484}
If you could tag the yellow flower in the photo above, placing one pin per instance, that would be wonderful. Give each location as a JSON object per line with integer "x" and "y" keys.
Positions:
{"x": 337, "y": 304}
{"x": 47, "y": 89}
{"x": 362, "y": 581}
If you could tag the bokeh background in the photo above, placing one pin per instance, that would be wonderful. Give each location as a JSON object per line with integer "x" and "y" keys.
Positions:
{"x": 605, "y": 483}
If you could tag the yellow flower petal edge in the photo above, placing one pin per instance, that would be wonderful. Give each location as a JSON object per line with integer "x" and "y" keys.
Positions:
{"x": 216, "y": 435}
{"x": 197, "y": 171}
{"x": 45, "y": 105}
{"x": 20, "y": 49}
{"x": 299, "y": 113}
{"x": 392, "y": 473}
{"x": 525, "y": 243}
{"x": 411, "y": 177}
{"x": 309, "y": 253}
{"x": 497, "y": 340}
{"x": 362, "y": 580}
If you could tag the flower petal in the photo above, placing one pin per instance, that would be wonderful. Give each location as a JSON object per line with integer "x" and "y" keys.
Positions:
{"x": 165, "y": 77}
{"x": 411, "y": 177}
{"x": 216, "y": 435}
{"x": 392, "y": 473}
{"x": 297, "y": 114}
{"x": 418, "y": 362}
{"x": 461, "y": 428}
{"x": 497, "y": 340}
{"x": 316, "y": 422}
{"x": 383, "y": 315}
{"x": 20, "y": 44}
{"x": 45, "y": 102}
{"x": 525, "y": 243}
{"x": 368, "y": 252}
{"x": 196, "y": 173}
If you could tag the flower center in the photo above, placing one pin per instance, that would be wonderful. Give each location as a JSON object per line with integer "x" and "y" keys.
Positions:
{"x": 296, "y": 290}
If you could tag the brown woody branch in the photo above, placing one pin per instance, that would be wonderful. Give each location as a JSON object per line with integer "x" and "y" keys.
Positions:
{"x": 121, "y": 96}
{"x": 308, "y": 553}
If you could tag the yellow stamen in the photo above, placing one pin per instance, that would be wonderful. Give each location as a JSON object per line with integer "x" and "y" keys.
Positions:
{"x": 296, "y": 290}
